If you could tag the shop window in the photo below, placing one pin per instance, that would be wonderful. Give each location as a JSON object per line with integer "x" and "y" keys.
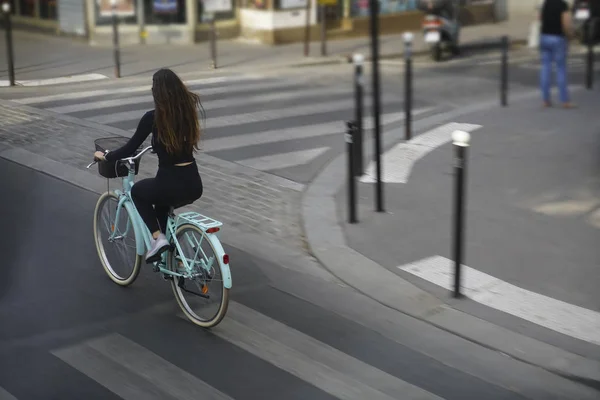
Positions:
{"x": 27, "y": 8}
{"x": 163, "y": 12}
{"x": 221, "y": 9}
{"x": 360, "y": 8}
{"x": 291, "y": 4}
{"x": 126, "y": 11}
{"x": 48, "y": 9}
{"x": 256, "y": 4}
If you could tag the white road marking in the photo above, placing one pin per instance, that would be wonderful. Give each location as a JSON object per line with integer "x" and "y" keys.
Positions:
{"x": 56, "y": 81}
{"x": 133, "y": 89}
{"x": 568, "y": 319}
{"x": 297, "y": 132}
{"x": 249, "y": 117}
{"x": 265, "y": 99}
{"x": 315, "y": 362}
{"x": 398, "y": 161}
{"x": 133, "y": 372}
{"x": 96, "y": 105}
{"x": 4, "y": 395}
{"x": 283, "y": 160}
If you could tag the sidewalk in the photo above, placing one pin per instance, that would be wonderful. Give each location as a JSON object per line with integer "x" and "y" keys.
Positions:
{"x": 46, "y": 57}
{"x": 531, "y": 261}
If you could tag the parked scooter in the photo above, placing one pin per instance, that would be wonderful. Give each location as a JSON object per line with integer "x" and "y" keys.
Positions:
{"x": 440, "y": 26}
{"x": 583, "y": 13}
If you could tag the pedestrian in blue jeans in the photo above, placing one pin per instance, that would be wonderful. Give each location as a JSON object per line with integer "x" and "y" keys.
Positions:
{"x": 555, "y": 32}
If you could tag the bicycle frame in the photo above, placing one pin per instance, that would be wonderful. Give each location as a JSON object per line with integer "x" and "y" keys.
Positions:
{"x": 141, "y": 231}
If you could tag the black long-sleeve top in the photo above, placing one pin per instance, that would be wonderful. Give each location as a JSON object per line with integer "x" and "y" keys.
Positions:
{"x": 145, "y": 127}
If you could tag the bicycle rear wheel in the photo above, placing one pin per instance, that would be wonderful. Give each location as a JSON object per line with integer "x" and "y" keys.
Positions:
{"x": 118, "y": 256}
{"x": 206, "y": 283}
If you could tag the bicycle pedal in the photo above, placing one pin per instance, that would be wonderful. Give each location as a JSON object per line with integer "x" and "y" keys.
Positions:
{"x": 167, "y": 277}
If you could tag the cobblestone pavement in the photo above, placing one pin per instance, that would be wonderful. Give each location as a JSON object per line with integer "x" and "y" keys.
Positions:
{"x": 244, "y": 199}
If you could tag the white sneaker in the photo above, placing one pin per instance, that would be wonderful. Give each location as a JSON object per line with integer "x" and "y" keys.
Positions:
{"x": 159, "y": 246}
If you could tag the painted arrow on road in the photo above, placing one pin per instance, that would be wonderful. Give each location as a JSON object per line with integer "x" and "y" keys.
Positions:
{"x": 397, "y": 162}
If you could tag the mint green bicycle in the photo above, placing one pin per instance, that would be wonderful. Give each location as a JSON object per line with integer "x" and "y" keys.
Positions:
{"x": 192, "y": 237}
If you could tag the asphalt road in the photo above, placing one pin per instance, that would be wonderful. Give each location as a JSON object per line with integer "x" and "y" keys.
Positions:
{"x": 69, "y": 333}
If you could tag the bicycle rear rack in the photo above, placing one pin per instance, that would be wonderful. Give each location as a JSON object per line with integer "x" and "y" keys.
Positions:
{"x": 205, "y": 223}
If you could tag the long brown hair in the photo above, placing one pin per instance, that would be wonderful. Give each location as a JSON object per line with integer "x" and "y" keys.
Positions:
{"x": 176, "y": 115}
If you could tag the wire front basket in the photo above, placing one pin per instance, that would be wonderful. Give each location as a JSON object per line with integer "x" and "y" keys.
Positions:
{"x": 110, "y": 169}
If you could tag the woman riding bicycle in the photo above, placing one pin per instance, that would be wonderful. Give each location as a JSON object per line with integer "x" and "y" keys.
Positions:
{"x": 175, "y": 132}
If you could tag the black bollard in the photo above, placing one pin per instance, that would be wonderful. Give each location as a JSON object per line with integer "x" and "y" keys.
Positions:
{"x": 374, "y": 9}
{"x": 213, "y": 42}
{"x": 116, "y": 51}
{"x": 589, "y": 34}
{"x": 9, "y": 43}
{"x": 322, "y": 10}
{"x": 307, "y": 28}
{"x": 504, "y": 72}
{"x": 460, "y": 142}
{"x": 358, "y": 101}
{"x": 350, "y": 135}
{"x": 408, "y": 38}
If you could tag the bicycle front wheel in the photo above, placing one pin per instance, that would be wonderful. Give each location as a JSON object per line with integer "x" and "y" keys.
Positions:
{"x": 202, "y": 295}
{"x": 115, "y": 240}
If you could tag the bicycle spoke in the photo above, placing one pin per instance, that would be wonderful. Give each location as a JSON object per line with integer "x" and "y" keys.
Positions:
{"x": 119, "y": 258}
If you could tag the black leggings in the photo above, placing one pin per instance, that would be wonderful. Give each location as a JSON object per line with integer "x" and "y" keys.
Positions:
{"x": 172, "y": 187}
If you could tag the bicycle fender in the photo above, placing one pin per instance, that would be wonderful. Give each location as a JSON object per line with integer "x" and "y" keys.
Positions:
{"x": 220, "y": 252}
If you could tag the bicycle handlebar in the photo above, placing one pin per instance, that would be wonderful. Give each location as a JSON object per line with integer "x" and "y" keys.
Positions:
{"x": 141, "y": 153}
{"x": 130, "y": 159}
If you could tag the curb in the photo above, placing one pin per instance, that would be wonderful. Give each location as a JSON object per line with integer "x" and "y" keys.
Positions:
{"x": 515, "y": 44}
{"x": 334, "y": 59}
{"x": 326, "y": 242}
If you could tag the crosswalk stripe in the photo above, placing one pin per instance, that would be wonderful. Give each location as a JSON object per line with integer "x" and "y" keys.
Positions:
{"x": 250, "y": 117}
{"x": 283, "y": 160}
{"x": 309, "y": 359}
{"x": 126, "y": 384}
{"x": 568, "y": 319}
{"x": 56, "y": 81}
{"x": 134, "y": 89}
{"x": 298, "y": 111}
{"x": 224, "y": 103}
{"x": 95, "y": 105}
{"x": 298, "y": 132}
{"x": 4, "y": 395}
{"x": 360, "y": 374}
{"x": 133, "y": 372}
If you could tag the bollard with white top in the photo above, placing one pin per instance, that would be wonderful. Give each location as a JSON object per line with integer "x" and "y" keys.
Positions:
{"x": 357, "y": 157}
{"x": 408, "y": 38}
{"x": 590, "y": 35}
{"x": 504, "y": 42}
{"x": 408, "y": 41}
{"x": 115, "y": 26}
{"x": 9, "y": 43}
{"x": 460, "y": 140}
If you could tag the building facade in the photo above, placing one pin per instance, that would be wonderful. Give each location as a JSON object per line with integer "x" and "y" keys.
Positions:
{"x": 266, "y": 21}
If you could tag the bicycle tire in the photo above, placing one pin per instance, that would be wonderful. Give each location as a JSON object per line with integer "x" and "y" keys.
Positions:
{"x": 223, "y": 305}
{"x": 100, "y": 247}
